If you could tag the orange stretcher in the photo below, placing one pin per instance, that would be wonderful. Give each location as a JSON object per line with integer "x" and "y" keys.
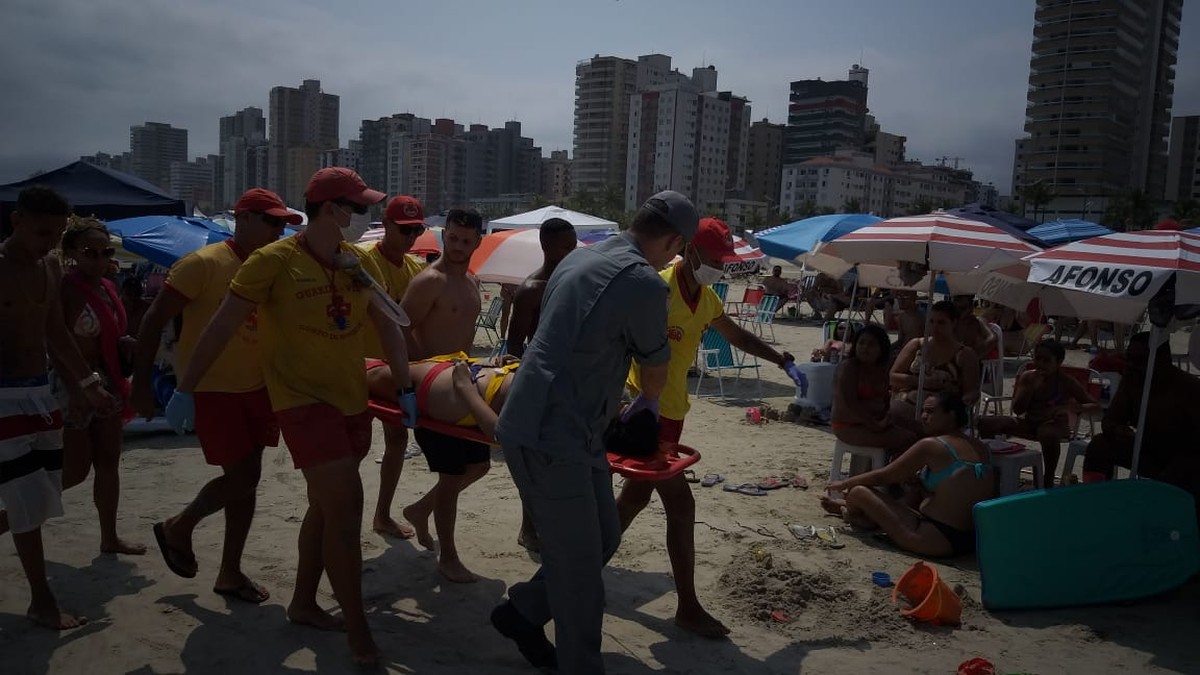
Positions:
{"x": 671, "y": 459}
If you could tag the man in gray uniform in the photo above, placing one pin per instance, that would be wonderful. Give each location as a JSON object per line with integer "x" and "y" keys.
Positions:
{"x": 604, "y": 305}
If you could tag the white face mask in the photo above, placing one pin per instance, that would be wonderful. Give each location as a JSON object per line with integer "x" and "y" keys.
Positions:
{"x": 705, "y": 275}
{"x": 359, "y": 224}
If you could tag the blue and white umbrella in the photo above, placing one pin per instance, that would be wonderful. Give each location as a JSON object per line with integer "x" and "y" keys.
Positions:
{"x": 1058, "y": 232}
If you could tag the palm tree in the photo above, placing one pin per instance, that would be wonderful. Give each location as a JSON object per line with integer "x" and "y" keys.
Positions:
{"x": 1037, "y": 196}
{"x": 581, "y": 200}
{"x": 1131, "y": 210}
{"x": 807, "y": 210}
{"x": 852, "y": 205}
{"x": 921, "y": 206}
{"x": 610, "y": 202}
{"x": 1186, "y": 211}
{"x": 538, "y": 202}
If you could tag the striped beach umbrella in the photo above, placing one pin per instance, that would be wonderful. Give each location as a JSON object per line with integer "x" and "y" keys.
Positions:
{"x": 508, "y": 257}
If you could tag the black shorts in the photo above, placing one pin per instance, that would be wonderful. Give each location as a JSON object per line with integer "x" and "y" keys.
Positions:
{"x": 450, "y": 455}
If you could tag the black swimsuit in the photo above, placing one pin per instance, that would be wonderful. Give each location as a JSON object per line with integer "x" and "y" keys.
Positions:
{"x": 961, "y": 541}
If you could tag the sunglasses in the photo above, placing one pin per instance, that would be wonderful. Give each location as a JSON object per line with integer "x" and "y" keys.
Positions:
{"x": 410, "y": 230}
{"x": 272, "y": 221}
{"x": 357, "y": 209}
{"x": 94, "y": 254}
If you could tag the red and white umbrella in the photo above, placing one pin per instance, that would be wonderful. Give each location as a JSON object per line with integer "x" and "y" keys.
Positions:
{"x": 746, "y": 258}
{"x": 507, "y": 257}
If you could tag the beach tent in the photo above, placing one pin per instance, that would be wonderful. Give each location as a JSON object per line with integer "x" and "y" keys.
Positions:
{"x": 96, "y": 191}
{"x": 535, "y": 218}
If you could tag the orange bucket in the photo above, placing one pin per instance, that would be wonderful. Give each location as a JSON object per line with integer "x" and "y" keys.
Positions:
{"x": 930, "y": 597}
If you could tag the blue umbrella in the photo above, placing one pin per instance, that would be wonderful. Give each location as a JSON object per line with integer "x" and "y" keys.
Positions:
{"x": 595, "y": 236}
{"x": 795, "y": 239}
{"x": 1064, "y": 231}
{"x": 164, "y": 239}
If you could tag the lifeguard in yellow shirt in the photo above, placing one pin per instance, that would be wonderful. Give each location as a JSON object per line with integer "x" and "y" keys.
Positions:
{"x": 692, "y": 308}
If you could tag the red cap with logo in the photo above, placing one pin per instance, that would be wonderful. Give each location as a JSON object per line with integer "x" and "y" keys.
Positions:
{"x": 338, "y": 182}
{"x": 405, "y": 210}
{"x": 258, "y": 200}
{"x": 713, "y": 237}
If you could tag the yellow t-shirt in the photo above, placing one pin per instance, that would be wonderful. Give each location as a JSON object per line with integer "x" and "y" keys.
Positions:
{"x": 203, "y": 278}
{"x": 685, "y": 325}
{"x": 396, "y": 278}
{"x": 312, "y": 321}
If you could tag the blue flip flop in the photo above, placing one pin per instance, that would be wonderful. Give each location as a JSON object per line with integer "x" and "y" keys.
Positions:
{"x": 746, "y": 489}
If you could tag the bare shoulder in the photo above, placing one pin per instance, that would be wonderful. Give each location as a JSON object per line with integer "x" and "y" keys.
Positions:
{"x": 429, "y": 277}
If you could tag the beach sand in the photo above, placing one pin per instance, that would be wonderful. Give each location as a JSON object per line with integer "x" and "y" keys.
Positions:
{"x": 145, "y": 620}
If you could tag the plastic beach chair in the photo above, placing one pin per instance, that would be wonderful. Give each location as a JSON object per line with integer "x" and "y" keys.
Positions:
{"x": 717, "y": 356}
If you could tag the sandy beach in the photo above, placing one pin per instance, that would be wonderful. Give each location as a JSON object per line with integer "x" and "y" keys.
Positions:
{"x": 143, "y": 619}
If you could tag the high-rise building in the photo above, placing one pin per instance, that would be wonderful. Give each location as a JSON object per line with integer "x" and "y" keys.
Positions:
{"x": 603, "y": 86}
{"x": 1183, "y": 159}
{"x": 382, "y": 142}
{"x": 1101, "y": 82}
{"x": 194, "y": 182}
{"x": 851, "y": 181}
{"x": 349, "y": 157}
{"x": 153, "y": 146}
{"x": 888, "y": 149}
{"x": 122, "y": 162}
{"x": 686, "y": 136}
{"x": 824, "y": 117}
{"x": 556, "y": 176}
{"x": 240, "y": 133}
{"x": 303, "y": 122}
{"x": 764, "y": 161}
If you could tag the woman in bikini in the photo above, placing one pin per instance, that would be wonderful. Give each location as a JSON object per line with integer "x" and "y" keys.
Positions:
{"x": 1044, "y": 398}
{"x": 953, "y": 472}
{"x": 96, "y": 317}
{"x": 949, "y": 366}
{"x": 860, "y": 396}
{"x": 452, "y": 388}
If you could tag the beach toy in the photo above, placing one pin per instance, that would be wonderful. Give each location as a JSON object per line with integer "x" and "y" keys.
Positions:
{"x": 881, "y": 579}
{"x": 976, "y": 666}
{"x": 754, "y": 415}
{"x": 778, "y": 616}
{"x": 931, "y": 599}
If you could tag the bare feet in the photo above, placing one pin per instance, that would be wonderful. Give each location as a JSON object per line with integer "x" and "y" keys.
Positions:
{"x": 50, "y": 615}
{"x": 420, "y": 527}
{"x": 390, "y": 528}
{"x": 315, "y": 617}
{"x": 121, "y": 546}
{"x": 455, "y": 571}
{"x": 700, "y": 622}
{"x": 363, "y": 650}
{"x": 833, "y": 506}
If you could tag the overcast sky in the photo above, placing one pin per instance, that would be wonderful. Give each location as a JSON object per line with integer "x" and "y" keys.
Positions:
{"x": 948, "y": 74}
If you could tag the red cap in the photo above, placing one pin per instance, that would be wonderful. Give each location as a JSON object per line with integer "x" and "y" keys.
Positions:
{"x": 405, "y": 210}
{"x": 258, "y": 200}
{"x": 338, "y": 182}
{"x": 713, "y": 237}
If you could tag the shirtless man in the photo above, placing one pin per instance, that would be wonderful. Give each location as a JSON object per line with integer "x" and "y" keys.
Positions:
{"x": 32, "y": 323}
{"x": 972, "y": 330}
{"x": 558, "y": 238}
{"x": 442, "y": 302}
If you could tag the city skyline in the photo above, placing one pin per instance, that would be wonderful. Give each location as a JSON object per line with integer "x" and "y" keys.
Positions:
{"x": 937, "y": 77}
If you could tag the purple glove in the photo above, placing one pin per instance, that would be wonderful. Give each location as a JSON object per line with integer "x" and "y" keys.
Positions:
{"x": 797, "y": 376}
{"x": 640, "y": 403}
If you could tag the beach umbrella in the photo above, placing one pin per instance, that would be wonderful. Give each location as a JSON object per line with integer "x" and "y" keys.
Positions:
{"x": 164, "y": 239}
{"x": 1169, "y": 224}
{"x": 793, "y": 241}
{"x": 587, "y": 238}
{"x": 745, "y": 259}
{"x": 1058, "y": 232}
{"x": 429, "y": 241}
{"x": 1146, "y": 268}
{"x": 508, "y": 257}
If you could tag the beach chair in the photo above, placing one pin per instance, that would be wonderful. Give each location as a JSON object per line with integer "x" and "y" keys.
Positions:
{"x": 721, "y": 289}
{"x": 763, "y": 318}
{"x": 991, "y": 371}
{"x": 996, "y": 401}
{"x": 739, "y": 311}
{"x": 717, "y": 356}
{"x": 489, "y": 318}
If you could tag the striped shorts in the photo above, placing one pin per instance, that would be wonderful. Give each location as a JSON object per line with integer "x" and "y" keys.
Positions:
{"x": 30, "y": 453}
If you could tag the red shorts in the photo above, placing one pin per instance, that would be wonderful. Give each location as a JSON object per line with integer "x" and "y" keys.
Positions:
{"x": 669, "y": 431}
{"x": 231, "y": 426}
{"x": 319, "y": 433}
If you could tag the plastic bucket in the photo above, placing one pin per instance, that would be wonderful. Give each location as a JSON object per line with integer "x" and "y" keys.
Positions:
{"x": 930, "y": 598}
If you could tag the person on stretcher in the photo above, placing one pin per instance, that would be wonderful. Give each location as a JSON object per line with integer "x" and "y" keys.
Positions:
{"x": 452, "y": 388}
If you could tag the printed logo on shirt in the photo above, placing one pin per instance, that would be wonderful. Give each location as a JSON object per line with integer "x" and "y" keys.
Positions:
{"x": 675, "y": 333}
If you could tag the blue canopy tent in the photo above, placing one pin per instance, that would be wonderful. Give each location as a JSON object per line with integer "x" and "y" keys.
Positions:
{"x": 164, "y": 239}
{"x": 799, "y": 238}
{"x": 96, "y": 191}
{"x": 1058, "y": 232}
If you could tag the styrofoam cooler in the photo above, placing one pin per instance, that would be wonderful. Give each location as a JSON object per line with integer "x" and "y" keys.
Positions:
{"x": 820, "y": 385}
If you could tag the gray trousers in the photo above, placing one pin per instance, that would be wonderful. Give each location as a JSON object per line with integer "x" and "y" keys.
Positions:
{"x": 576, "y": 519}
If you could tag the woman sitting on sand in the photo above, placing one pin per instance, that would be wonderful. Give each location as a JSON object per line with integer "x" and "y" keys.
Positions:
{"x": 453, "y": 388}
{"x": 954, "y": 476}
{"x": 860, "y": 396}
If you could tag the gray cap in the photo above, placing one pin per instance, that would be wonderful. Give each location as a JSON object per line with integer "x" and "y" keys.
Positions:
{"x": 677, "y": 210}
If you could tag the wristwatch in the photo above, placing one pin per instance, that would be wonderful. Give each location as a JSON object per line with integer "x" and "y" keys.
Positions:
{"x": 88, "y": 381}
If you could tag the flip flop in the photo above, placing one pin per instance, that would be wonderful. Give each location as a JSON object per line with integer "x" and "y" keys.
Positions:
{"x": 746, "y": 489}
{"x": 168, "y": 553}
{"x": 771, "y": 483}
{"x": 829, "y": 536}
{"x": 802, "y": 532}
{"x": 800, "y": 482}
{"x": 690, "y": 476}
{"x": 248, "y": 592}
{"x": 711, "y": 479}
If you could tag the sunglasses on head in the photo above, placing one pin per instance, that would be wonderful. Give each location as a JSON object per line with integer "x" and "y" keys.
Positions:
{"x": 272, "y": 221}
{"x": 93, "y": 254}
{"x": 410, "y": 230}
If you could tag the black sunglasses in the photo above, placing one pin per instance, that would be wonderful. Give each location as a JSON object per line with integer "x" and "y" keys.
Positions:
{"x": 358, "y": 209}
{"x": 272, "y": 221}
{"x": 410, "y": 230}
{"x": 92, "y": 254}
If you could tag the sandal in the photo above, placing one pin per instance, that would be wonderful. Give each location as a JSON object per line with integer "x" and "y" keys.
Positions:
{"x": 711, "y": 479}
{"x": 771, "y": 483}
{"x": 690, "y": 476}
{"x": 799, "y": 481}
{"x": 746, "y": 489}
{"x": 829, "y": 536}
{"x": 802, "y": 532}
